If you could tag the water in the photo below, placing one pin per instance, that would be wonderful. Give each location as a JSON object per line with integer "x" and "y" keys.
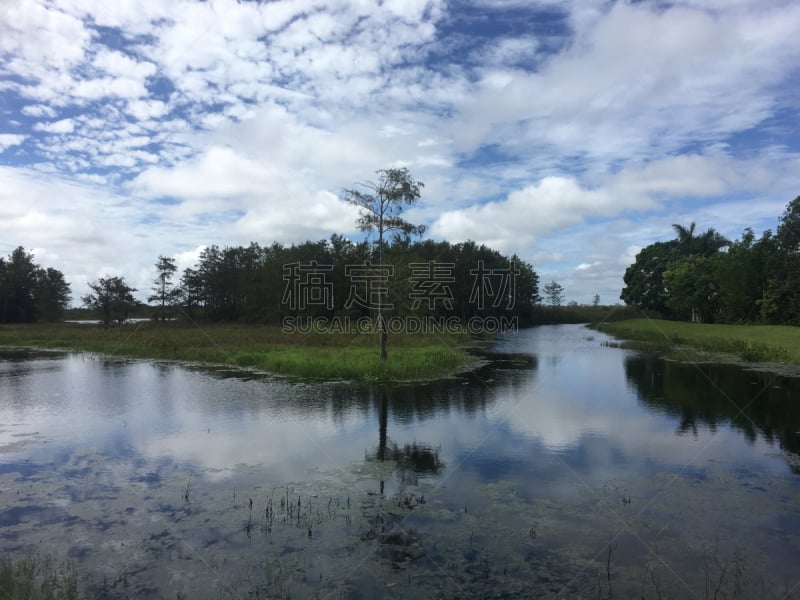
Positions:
{"x": 562, "y": 468}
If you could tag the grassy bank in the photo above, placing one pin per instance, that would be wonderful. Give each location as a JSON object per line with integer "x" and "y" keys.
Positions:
{"x": 316, "y": 355}
{"x": 753, "y": 343}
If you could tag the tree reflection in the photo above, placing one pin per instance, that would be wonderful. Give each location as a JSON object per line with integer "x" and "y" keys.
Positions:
{"x": 756, "y": 403}
{"x": 470, "y": 393}
{"x": 410, "y": 460}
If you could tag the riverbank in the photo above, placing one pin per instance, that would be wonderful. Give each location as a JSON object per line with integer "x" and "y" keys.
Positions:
{"x": 318, "y": 355}
{"x": 751, "y": 343}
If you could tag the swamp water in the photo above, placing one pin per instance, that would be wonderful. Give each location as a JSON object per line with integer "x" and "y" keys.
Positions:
{"x": 560, "y": 469}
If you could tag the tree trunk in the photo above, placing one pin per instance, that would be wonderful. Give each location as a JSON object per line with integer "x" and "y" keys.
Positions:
{"x": 381, "y": 324}
{"x": 384, "y": 340}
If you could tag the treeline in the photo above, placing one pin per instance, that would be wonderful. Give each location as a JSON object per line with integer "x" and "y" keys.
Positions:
{"x": 707, "y": 278}
{"x": 29, "y": 292}
{"x": 338, "y": 277}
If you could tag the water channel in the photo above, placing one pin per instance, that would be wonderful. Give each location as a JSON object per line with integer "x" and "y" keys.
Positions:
{"x": 560, "y": 468}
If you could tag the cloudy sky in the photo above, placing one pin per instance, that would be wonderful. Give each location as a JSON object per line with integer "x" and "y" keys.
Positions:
{"x": 572, "y": 133}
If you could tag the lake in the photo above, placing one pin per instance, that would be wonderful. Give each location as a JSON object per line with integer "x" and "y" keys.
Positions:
{"x": 559, "y": 468}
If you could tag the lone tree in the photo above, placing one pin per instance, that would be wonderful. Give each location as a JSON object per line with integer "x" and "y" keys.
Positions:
{"x": 380, "y": 205}
{"x": 163, "y": 292}
{"x": 112, "y": 298}
{"x": 554, "y": 292}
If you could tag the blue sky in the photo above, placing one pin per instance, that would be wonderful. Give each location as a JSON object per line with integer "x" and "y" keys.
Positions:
{"x": 571, "y": 133}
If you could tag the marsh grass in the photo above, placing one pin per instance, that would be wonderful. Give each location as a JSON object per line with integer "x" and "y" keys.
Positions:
{"x": 316, "y": 355}
{"x": 752, "y": 343}
{"x": 37, "y": 578}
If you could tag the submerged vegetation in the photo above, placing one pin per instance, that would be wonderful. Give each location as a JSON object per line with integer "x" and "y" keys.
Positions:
{"x": 320, "y": 354}
{"x": 37, "y": 578}
{"x": 496, "y": 544}
{"x": 753, "y": 343}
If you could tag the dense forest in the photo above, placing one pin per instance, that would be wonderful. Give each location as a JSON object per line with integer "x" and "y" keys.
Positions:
{"x": 698, "y": 276}
{"x": 29, "y": 292}
{"x": 340, "y": 277}
{"x": 704, "y": 277}
{"x": 323, "y": 279}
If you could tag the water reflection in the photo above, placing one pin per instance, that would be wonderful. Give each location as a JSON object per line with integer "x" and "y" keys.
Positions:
{"x": 410, "y": 460}
{"x": 511, "y": 479}
{"x": 758, "y": 404}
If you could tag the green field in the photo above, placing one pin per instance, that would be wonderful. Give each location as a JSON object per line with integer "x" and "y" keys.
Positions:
{"x": 313, "y": 355}
{"x": 753, "y": 343}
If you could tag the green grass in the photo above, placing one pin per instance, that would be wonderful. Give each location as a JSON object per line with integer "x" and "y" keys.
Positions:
{"x": 314, "y": 355}
{"x": 753, "y": 343}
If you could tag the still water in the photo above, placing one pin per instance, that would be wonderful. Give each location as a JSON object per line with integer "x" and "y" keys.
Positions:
{"x": 561, "y": 468}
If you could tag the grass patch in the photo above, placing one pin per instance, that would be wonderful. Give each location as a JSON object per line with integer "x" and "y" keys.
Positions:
{"x": 752, "y": 343}
{"x": 317, "y": 355}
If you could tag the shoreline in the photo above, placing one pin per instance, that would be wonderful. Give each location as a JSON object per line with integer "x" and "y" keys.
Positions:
{"x": 260, "y": 348}
{"x": 769, "y": 348}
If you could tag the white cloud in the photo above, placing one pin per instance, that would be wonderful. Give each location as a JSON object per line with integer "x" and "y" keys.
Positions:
{"x": 219, "y": 173}
{"x": 628, "y": 86}
{"x": 39, "y": 110}
{"x": 7, "y": 140}
{"x": 252, "y": 117}
{"x": 559, "y": 222}
{"x": 62, "y": 126}
{"x": 554, "y": 203}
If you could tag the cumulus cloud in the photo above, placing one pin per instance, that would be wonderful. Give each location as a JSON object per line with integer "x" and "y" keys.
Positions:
{"x": 220, "y": 122}
{"x": 7, "y": 140}
{"x": 628, "y": 85}
{"x": 62, "y": 126}
{"x": 554, "y": 203}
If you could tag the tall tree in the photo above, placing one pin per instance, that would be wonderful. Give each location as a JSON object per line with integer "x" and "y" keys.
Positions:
{"x": 685, "y": 238}
{"x": 29, "y": 292}
{"x": 554, "y": 292}
{"x": 692, "y": 293}
{"x": 380, "y": 205}
{"x": 644, "y": 279}
{"x": 19, "y": 303}
{"x": 164, "y": 292}
{"x": 705, "y": 244}
{"x": 741, "y": 277}
{"x": 111, "y": 298}
{"x": 526, "y": 288}
{"x": 781, "y": 301}
{"x": 53, "y": 294}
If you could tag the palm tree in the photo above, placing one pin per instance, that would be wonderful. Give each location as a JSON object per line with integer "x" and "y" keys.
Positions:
{"x": 685, "y": 237}
{"x": 705, "y": 244}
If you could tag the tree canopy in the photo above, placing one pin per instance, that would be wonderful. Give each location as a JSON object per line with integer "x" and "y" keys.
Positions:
{"x": 29, "y": 292}
{"x": 380, "y": 205}
{"x": 165, "y": 295}
{"x": 334, "y": 277}
{"x": 112, "y": 298}
{"x": 708, "y": 278}
{"x": 554, "y": 293}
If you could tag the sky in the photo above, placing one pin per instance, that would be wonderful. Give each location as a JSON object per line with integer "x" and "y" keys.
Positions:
{"x": 571, "y": 133}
